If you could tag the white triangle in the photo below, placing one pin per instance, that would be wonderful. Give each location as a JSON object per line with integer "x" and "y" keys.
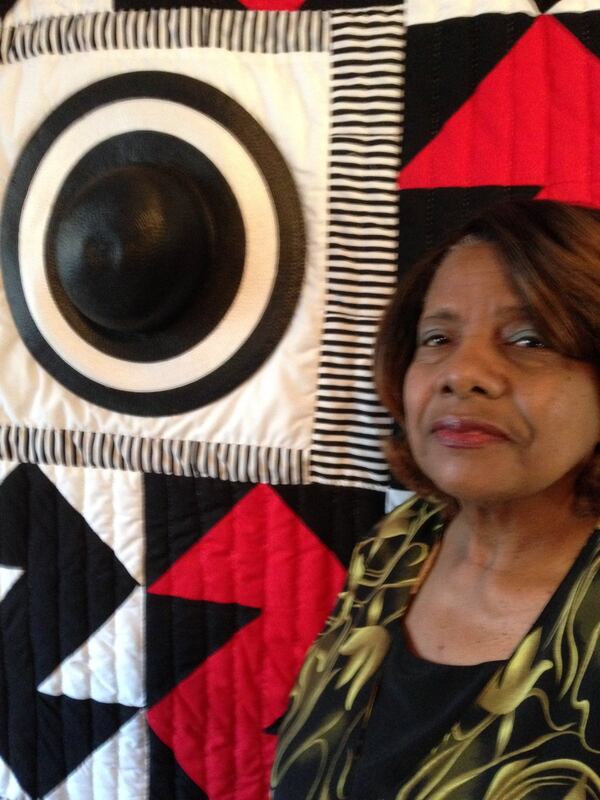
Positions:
{"x": 117, "y": 770}
{"x": 109, "y": 666}
{"x": 395, "y": 498}
{"x": 418, "y": 12}
{"x": 8, "y": 577}
{"x": 10, "y": 788}
{"x": 6, "y": 467}
{"x": 110, "y": 501}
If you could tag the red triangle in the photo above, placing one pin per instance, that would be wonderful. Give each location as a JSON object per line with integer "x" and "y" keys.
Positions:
{"x": 260, "y": 554}
{"x": 534, "y": 120}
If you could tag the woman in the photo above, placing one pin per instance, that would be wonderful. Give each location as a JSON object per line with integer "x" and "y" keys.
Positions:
{"x": 462, "y": 661}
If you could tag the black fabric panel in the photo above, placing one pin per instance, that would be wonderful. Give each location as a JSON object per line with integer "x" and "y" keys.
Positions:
{"x": 339, "y": 516}
{"x": 69, "y": 731}
{"x": 182, "y": 633}
{"x": 429, "y": 215}
{"x": 167, "y": 779}
{"x": 72, "y": 583}
{"x": 445, "y": 63}
{"x": 586, "y": 27}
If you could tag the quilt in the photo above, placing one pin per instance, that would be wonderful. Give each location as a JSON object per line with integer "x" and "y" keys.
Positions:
{"x": 204, "y": 209}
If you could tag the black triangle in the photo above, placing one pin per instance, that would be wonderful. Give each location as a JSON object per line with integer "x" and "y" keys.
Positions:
{"x": 167, "y": 779}
{"x": 338, "y": 515}
{"x": 179, "y": 511}
{"x": 49, "y": 737}
{"x": 182, "y": 633}
{"x": 445, "y": 62}
{"x": 545, "y": 5}
{"x": 428, "y": 215}
{"x": 273, "y": 728}
{"x": 5, "y": 6}
{"x": 74, "y": 582}
{"x": 586, "y": 27}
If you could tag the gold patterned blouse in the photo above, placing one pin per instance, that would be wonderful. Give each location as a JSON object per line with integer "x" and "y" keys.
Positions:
{"x": 533, "y": 732}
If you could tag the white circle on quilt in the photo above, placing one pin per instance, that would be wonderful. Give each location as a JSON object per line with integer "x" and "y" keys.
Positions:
{"x": 261, "y": 230}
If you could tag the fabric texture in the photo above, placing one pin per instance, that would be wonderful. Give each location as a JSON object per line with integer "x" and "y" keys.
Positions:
{"x": 301, "y": 338}
{"x": 417, "y": 701}
{"x": 151, "y": 627}
{"x": 534, "y": 729}
{"x": 125, "y": 674}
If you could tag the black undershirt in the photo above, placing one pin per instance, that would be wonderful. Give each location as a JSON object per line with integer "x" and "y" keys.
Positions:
{"x": 417, "y": 703}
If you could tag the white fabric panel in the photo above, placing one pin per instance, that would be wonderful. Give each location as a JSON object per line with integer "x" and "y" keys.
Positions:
{"x": 109, "y": 666}
{"x": 116, "y": 770}
{"x": 577, "y": 6}
{"x": 111, "y": 504}
{"x": 419, "y": 12}
{"x": 298, "y": 123}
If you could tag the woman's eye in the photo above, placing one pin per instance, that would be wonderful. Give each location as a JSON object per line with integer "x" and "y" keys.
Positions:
{"x": 527, "y": 339}
{"x": 432, "y": 339}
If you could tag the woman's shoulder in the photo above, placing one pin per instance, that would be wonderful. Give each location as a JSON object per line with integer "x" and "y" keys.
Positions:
{"x": 395, "y": 549}
{"x": 417, "y": 522}
{"x": 415, "y": 516}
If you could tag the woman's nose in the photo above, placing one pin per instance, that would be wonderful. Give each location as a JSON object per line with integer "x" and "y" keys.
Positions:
{"x": 473, "y": 368}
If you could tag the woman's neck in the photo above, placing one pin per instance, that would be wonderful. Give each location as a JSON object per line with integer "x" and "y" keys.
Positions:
{"x": 525, "y": 535}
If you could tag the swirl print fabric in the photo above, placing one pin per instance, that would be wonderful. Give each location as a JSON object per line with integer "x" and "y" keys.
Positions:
{"x": 534, "y": 730}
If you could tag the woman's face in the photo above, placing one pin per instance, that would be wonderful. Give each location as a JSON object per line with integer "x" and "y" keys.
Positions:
{"x": 491, "y": 412}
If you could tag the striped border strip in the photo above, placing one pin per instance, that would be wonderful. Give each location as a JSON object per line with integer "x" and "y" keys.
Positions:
{"x": 232, "y": 462}
{"x": 243, "y": 31}
{"x": 367, "y": 58}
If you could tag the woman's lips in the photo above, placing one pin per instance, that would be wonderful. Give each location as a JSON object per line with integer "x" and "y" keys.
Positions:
{"x": 467, "y": 433}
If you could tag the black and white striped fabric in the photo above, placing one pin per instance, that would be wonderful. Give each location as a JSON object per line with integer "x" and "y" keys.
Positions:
{"x": 367, "y": 54}
{"x": 237, "y": 31}
{"x": 255, "y": 464}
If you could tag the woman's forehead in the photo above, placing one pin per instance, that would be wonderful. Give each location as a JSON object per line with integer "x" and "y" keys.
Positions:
{"x": 472, "y": 274}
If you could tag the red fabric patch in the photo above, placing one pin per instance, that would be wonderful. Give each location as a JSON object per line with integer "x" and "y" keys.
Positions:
{"x": 273, "y": 5}
{"x": 534, "y": 120}
{"x": 262, "y": 555}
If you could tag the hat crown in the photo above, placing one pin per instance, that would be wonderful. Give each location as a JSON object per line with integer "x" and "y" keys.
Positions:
{"x": 131, "y": 247}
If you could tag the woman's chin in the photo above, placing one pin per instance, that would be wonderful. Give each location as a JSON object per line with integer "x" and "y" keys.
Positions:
{"x": 477, "y": 488}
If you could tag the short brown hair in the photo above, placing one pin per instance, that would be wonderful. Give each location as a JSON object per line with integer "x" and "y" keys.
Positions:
{"x": 551, "y": 252}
